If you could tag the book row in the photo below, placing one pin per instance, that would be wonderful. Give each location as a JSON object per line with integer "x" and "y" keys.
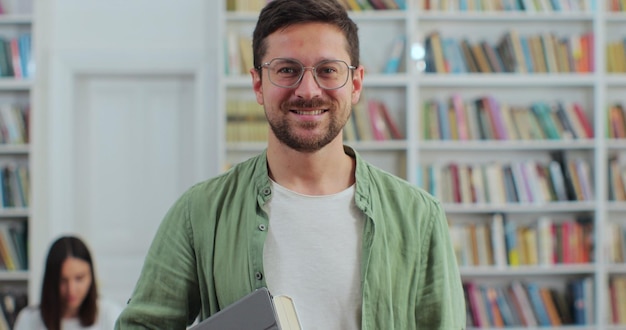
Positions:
{"x": 14, "y": 127}
{"x": 616, "y": 56}
{"x": 485, "y": 118}
{"x": 245, "y": 121}
{"x": 16, "y": 7}
{"x": 616, "y": 5}
{"x": 15, "y": 56}
{"x": 14, "y": 185}
{"x": 524, "y": 182}
{"x": 508, "y": 243}
{"x": 512, "y": 53}
{"x": 245, "y": 5}
{"x": 529, "y": 304}
{"x": 13, "y": 240}
{"x": 529, "y": 6}
{"x": 12, "y": 301}
{"x": 616, "y": 127}
{"x": 617, "y": 178}
{"x": 371, "y": 121}
{"x": 353, "y": 5}
{"x": 360, "y": 5}
{"x": 238, "y": 53}
{"x": 617, "y": 299}
{"x": 616, "y": 242}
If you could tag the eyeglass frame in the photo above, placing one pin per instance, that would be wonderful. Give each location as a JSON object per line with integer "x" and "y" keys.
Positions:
{"x": 304, "y": 69}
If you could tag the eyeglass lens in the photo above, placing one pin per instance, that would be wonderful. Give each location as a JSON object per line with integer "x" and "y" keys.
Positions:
{"x": 287, "y": 73}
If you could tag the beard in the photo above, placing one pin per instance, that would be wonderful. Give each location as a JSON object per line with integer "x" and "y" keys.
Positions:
{"x": 284, "y": 130}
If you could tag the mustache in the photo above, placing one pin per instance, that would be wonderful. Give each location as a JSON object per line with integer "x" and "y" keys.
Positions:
{"x": 301, "y": 103}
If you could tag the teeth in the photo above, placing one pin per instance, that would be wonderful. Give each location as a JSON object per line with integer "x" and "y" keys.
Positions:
{"x": 310, "y": 113}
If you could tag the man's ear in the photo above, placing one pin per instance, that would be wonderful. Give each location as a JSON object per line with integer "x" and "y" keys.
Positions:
{"x": 257, "y": 85}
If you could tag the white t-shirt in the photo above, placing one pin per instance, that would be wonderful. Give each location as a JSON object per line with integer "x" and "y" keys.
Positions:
{"x": 313, "y": 254}
{"x": 30, "y": 318}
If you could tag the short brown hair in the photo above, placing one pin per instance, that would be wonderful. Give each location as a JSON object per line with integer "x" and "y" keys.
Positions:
{"x": 279, "y": 14}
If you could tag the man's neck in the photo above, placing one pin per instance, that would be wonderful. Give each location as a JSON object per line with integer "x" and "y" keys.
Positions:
{"x": 326, "y": 171}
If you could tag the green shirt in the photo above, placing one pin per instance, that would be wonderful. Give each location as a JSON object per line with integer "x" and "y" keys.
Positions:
{"x": 208, "y": 253}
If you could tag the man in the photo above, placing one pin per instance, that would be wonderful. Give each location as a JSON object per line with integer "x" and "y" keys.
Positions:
{"x": 355, "y": 247}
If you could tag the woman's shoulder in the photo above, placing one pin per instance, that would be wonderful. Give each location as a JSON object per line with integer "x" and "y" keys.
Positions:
{"x": 109, "y": 310}
{"x": 29, "y": 310}
{"x": 28, "y": 318}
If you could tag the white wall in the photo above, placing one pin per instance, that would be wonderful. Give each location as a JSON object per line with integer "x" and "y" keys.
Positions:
{"x": 123, "y": 123}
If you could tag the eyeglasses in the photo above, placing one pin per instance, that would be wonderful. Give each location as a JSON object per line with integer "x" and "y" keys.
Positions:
{"x": 288, "y": 73}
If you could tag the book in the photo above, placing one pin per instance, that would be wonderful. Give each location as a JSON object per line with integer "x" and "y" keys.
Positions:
{"x": 550, "y": 306}
{"x": 497, "y": 240}
{"x": 436, "y": 49}
{"x": 361, "y": 118}
{"x": 459, "y": 110}
{"x": 481, "y": 58}
{"x": 470, "y": 61}
{"x": 477, "y": 304}
{"x": 258, "y": 310}
{"x": 15, "y": 58}
{"x": 520, "y": 295}
{"x": 379, "y": 127}
{"x": 582, "y": 117}
{"x": 245, "y": 50}
{"x": 233, "y": 66}
{"x": 454, "y": 54}
{"x": 537, "y": 304}
{"x": 395, "y": 56}
{"x": 391, "y": 124}
{"x": 495, "y": 63}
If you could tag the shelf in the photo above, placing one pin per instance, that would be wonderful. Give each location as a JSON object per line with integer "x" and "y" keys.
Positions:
{"x": 367, "y": 15}
{"x": 493, "y": 145}
{"x": 616, "y": 144}
{"x": 519, "y": 208}
{"x": 616, "y": 80}
{"x": 12, "y": 84}
{"x": 613, "y": 17}
{"x": 506, "y": 80}
{"x": 378, "y": 15}
{"x": 503, "y": 16}
{"x": 616, "y": 269}
{"x": 16, "y": 20}
{"x": 613, "y": 206}
{"x": 563, "y": 327}
{"x": 518, "y": 271}
{"x": 18, "y": 275}
{"x": 14, "y": 149}
{"x": 14, "y": 212}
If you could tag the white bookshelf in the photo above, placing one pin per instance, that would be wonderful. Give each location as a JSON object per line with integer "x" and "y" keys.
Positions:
{"x": 404, "y": 93}
{"x": 15, "y": 21}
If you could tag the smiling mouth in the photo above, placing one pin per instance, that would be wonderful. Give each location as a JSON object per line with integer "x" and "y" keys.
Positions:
{"x": 309, "y": 112}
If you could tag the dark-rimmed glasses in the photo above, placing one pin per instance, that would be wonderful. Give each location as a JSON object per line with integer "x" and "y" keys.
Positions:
{"x": 288, "y": 73}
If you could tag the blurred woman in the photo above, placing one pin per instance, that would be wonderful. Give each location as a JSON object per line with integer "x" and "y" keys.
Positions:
{"x": 69, "y": 295}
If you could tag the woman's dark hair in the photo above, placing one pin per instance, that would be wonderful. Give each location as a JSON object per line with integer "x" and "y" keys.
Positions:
{"x": 51, "y": 305}
{"x": 279, "y": 14}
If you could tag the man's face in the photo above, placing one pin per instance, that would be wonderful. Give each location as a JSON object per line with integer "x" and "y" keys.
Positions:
{"x": 307, "y": 117}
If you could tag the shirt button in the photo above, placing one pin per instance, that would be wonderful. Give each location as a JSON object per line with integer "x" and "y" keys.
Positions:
{"x": 267, "y": 191}
{"x": 262, "y": 227}
{"x": 258, "y": 275}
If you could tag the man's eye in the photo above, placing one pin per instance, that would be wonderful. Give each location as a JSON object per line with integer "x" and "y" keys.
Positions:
{"x": 286, "y": 70}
